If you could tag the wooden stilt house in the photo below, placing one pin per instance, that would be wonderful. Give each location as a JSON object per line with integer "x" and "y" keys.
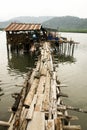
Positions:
{"x": 23, "y": 35}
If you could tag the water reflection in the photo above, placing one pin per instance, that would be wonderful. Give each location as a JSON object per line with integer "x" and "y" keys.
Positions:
{"x": 20, "y": 62}
{"x": 64, "y": 56}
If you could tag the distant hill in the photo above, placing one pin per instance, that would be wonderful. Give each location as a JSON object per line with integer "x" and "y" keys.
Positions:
{"x": 25, "y": 19}
{"x": 66, "y": 23}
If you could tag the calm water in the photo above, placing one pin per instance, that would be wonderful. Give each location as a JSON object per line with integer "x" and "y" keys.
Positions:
{"x": 13, "y": 70}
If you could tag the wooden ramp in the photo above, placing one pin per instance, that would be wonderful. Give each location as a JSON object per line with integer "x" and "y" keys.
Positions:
{"x": 41, "y": 106}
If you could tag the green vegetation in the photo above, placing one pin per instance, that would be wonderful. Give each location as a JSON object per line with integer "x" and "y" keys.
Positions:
{"x": 63, "y": 24}
{"x": 74, "y": 31}
{"x": 67, "y": 24}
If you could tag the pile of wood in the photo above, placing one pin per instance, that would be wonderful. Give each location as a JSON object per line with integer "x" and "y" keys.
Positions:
{"x": 41, "y": 106}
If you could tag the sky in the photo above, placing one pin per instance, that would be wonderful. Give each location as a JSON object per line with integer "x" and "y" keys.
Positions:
{"x": 15, "y": 8}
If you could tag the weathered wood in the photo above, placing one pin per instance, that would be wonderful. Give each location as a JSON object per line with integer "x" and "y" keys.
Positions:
{"x": 38, "y": 122}
{"x": 61, "y": 85}
{"x": 76, "y": 109}
{"x": 41, "y": 107}
{"x": 31, "y": 93}
{"x": 58, "y": 101}
{"x": 4, "y": 123}
{"x": 50, "y": 125}
{"x": 23, "y": 114}
{"x": 12, "y": 124}
{"x": 58, "y": 124}
{"x": 46, "y": 99}
{"x": 38, "y": 106}
{"x": 72, "y": 127}
{"x": 53, "y": 87}
{"x": 11, "y": 118}
{"x": 41, "y": 85}
{"x": 31, "y": 109}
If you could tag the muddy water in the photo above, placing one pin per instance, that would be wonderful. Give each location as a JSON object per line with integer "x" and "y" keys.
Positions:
{"x": 71, "y": 71}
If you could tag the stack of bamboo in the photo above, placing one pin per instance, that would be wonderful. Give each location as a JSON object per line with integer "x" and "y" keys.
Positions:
{"x": 41, "y": 106}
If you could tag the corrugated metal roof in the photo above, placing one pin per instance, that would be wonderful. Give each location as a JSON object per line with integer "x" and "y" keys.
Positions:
{"x": 22, "y": 27}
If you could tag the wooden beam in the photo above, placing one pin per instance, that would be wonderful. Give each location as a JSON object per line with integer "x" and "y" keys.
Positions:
{"x": 61, "y": 85}
{"x": 38, "y": 122}
{"x": 31, "y": 93}
{"x": 31, "y": 109}
{"x": 50, "y": 125}
{"x": 4, "y": 123}
{"x": 58, "y": 124}
{"x": 72, "y": 127}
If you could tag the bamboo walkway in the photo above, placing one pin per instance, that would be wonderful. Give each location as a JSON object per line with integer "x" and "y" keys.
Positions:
{"x": 39, "y": 106}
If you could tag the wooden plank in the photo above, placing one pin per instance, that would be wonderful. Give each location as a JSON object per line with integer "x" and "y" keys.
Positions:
{"x": 58, "y": 124}
{"x": 38, "y": 122}
{"x": 23, "y": 115}
{"x": 61, "y": 85}
{"x": 50, "y": 125}
{"x": 53, "y": 86}
{"x": 72, "y": 127}
{"x": 38, "y": 106}
{"x": 58, "y": 101}
{"x": 31, "y": 93}
{"x": 12, "y": 124}
{"x": 31, "y": 109}
{"x": 41, "y": 85}
{"x": 46, "y": 99}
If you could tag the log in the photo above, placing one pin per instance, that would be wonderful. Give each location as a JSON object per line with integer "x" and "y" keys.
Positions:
{"x": 31, "y": 93}
{"x": 50, "y": 125}
{"x": 29, "y": 115}
{"x": 41, "y": 85}
{"x": 22, "y": 119}
{"x": 72, "y": 127}
{"x": 43, "y": 68}
{"x": 11, "y": 118}
{"x": 12, "y": 123}
{"x": 58, "y": 101}
{"x": 76, "y": 109}
{"x": 46, "y": 99}
{"x": 61, "y": 85}
{"x": 23, "y": 114}
{"x": 58, "y": 124}
{"x": 4, "y": 123}
{"x": 53, "y": 87}
{"x": 38, "y": 106}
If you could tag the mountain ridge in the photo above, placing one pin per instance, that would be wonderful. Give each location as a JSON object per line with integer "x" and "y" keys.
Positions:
{"x": 64, "y": 23}
{"x": 67, "y": 23}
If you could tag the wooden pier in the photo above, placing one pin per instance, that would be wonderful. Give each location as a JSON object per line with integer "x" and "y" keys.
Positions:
{"x": 39, "y": 106}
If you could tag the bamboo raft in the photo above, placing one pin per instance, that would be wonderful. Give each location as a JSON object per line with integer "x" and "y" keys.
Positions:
{"x": 39, "y": 106}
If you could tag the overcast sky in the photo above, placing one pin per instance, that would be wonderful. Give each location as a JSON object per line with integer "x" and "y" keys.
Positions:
{"x": 15, "y": 8}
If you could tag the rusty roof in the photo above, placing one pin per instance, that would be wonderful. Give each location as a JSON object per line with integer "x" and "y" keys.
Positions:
{"x": 22, "y": 27}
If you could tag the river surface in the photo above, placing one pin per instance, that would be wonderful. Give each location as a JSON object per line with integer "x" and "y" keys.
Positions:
{"x": 71, "y": 71}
